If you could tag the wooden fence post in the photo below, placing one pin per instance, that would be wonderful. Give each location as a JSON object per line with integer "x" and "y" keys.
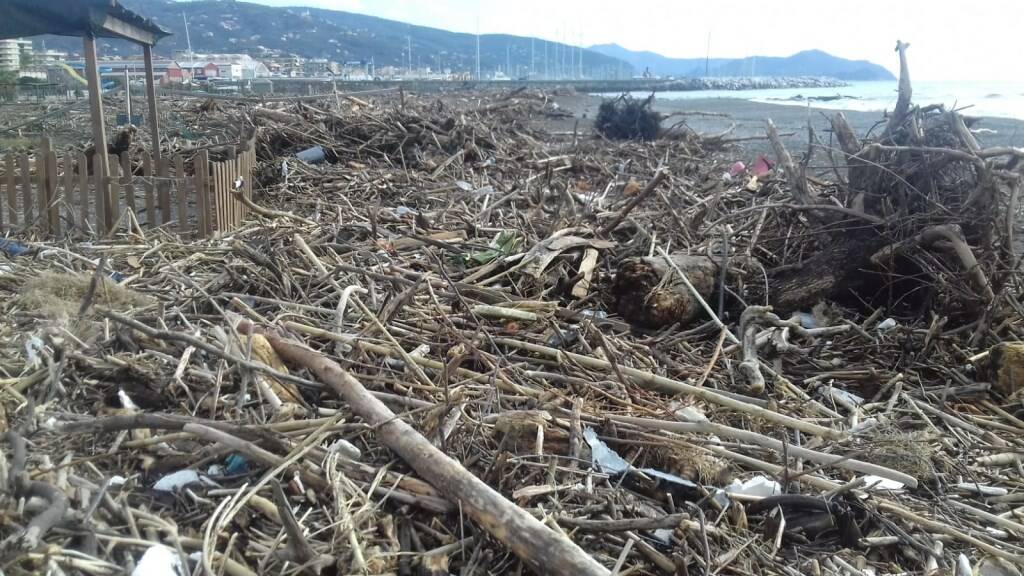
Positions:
{"x": 230, "y": 208}
{"x": 12, "y": 192}
{"x": 42, "y": 183}
{"x": 128, "y": 181}
{"x": 26, "y": 190}
{"x": 202, "y": 192}
{"x": 99, "y": 192}
{"x": 182, "y": 190}
{"x": 83, "y": 192}
{"x": 114, "y": 193}
{"x": 164, "y": 189}
{"x": 69, "y": 188}
{"x": 53, "y": 206}
{"x": 150, "y": 187}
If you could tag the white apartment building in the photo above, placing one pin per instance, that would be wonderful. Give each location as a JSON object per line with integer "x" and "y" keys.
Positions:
{"x": 10, "y": 53}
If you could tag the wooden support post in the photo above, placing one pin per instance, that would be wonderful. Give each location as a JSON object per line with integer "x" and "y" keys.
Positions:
{"x": 99, "y": 137}
{"x": 154, "y": 119}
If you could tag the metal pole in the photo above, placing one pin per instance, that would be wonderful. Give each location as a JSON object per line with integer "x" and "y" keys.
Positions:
{"x": 154, "y": 120}
{"x": 99, "y": 129}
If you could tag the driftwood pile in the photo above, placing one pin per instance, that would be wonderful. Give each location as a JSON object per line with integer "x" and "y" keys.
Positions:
{"x": 463, "y": 344}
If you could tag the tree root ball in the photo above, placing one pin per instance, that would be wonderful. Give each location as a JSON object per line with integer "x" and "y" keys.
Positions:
{"x": 649, "y": 292}
{"x": 627, "y": 118}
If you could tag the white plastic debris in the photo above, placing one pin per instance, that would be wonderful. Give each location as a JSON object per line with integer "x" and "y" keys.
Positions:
{"x": 607, "y": 460}
{"x": 346, "y": 449}
{"x": 463, "y": 185}
{"x": 807, "y": 320}
{"x": 178, "y": 480}
{"x": 963, "y": 566}
{"x": 761, "y": 486}
{"x": 117, "y": 480}
{"x": 864, "y": 425}
{"x": 159, "y": 561}
{"x": 886, "y": 325}
{"x": 690, "y": 414}
{"x": 872, "y": 482}
{"x": 33, "y": 346}
{"x": 663, "y": 535}
{"x": 126, "y": 400}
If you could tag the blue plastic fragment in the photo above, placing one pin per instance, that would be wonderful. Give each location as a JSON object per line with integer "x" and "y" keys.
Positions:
{"x": 236, "y": 464}
{"x": 12, "y": 248}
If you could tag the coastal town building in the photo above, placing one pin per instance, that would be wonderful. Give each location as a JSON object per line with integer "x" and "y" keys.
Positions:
{"x": 13, "y": 52}
{"x": 164, "y": 71}
{"x": 232, "y": 67}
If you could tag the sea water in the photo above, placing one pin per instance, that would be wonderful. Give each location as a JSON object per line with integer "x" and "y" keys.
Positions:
{"x": 1003, "y": 99}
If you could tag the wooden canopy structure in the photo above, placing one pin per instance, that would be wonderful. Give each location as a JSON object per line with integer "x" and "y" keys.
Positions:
{"x": 90, "y": 19}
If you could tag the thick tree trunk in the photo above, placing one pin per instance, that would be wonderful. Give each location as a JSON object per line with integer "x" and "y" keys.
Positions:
{"x": 543, "y": 549}
{"x": 836, "y": 271}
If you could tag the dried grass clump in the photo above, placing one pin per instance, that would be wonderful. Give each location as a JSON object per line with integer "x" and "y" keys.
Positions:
{"x": 909, "y": 452}
{"x": 58, "y": 296}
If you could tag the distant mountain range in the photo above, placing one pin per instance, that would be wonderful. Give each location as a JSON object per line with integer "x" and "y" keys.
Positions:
{"x": 806, "y": 63}
{"x": 229, "y": 26}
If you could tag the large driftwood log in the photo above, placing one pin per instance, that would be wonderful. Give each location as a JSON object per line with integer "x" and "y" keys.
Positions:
{"x": 543, "y": 549}
{"x": 649, "y": 292}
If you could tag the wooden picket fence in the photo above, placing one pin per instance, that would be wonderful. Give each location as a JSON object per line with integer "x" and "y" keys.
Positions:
{"x": 54, "y": 194}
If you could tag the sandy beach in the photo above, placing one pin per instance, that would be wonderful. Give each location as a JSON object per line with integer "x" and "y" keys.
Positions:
{"x": 749, "y": 120}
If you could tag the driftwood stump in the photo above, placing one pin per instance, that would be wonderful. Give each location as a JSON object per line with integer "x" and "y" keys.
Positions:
{"x": 649, "y": 292}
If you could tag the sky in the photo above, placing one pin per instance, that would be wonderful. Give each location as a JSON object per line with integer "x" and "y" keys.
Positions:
{"x": 977, "y": 40}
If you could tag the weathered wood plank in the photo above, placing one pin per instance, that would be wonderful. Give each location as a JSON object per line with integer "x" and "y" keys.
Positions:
{"x": 165, "y": 190}
{"x": 83, "y": 192}
{"x": 42, "y": 183}
{"x": 100, "y": 192}
{"x": 53, "y": 202}
{"x": 69, "y": 188}
{"x": 149, "y": 188}
{"x": 180, "y": 183}
{"x": 27, "y": 209}
{"x": 12, "y": 192}
{"x": 128, "y": 182}
{"x": 202, "y": 192}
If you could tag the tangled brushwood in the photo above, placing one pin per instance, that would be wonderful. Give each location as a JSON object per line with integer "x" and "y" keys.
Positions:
{"x": 461, "y": 340}
{"x": 628, "y": 118}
